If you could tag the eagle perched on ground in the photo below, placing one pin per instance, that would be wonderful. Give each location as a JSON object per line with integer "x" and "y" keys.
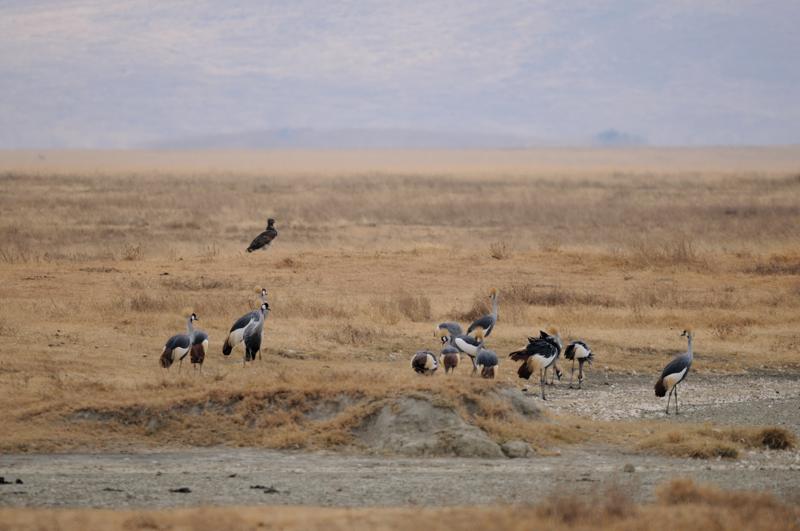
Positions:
{"x": 265, "y": 238}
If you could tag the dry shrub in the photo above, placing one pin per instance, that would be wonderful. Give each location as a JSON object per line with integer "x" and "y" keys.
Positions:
{"x": 778, "y": 264}
{"x": 708, "y": 507}
{"x": 684, "y": 491}
{"x": 315, "y": 309}
{"x": 209, "y": 253}
{"x": 142, "y": 302}
{"x": 17, "y": 255}
{"x": 288, "y": 263}
{"x": 614, "y": 503}
{"x": 730, "y": 326}
{"x": 479, "y": 308}
{"x": 664, "y": 295}
{"x": 196, "y": 284}
{"x": 525, "y": 294}
{"x": 499, "y": 250}
{"x": 352, "y": 335}
{"x": 676, "y": 252}
{"x": 550, "y": 245}
{"x": 706, "y": 442}
{"x": 690, "y": 443}
{"x": 414, "y": 308}
{"x": 773, "y": 437}
{"x": 132, "y": 252}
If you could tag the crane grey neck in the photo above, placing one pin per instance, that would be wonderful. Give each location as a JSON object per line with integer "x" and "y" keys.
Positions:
{"x": 690, "y": 352}
{"x": 494, "y": 306}
{"x": 190, "y": 328}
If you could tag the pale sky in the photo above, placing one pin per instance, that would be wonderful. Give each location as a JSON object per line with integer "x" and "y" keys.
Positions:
{"x": 124, "y": 73}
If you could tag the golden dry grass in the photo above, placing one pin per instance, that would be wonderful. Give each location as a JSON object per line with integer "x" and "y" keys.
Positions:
{"x": 707, "y": 442}
{"x": 100, "y": 266}
{"x": 681, "y": 504}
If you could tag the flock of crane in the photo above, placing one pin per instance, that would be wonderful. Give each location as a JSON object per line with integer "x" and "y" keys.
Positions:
{"x": 247, "y": 329}
{"x": 539, "y": 354}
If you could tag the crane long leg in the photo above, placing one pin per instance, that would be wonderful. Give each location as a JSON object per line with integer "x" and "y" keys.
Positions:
{"x": 541, "y": 382}
{"x": 580, "y": 373}
{"x": 676, "y": 398}
{"x": 668, "y": 397}
{"x": 572, "y": 373}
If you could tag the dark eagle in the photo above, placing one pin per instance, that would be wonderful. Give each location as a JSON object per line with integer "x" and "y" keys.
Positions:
{"x": 265, "y": 238}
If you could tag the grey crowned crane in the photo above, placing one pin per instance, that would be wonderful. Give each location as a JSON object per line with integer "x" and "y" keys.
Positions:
{"x": 469, "y": 346}
{"x": 540, "y": 353}
{"x": 675, "y": 372}
{"x": 178, "y": 345}
{"x": 482, "y": 327}
{"x": 448, "y": 329}
{"x": 486, "y": 360}
{"x": 450, "y": 355}
{"x": 578, "y": 350}
{"x": 263, "y": 240}
{"x": 248, "y": 329}
{"x": 556, "y": 373}
{"x": 424, "y": 362}
{"x": 199, "y": 348}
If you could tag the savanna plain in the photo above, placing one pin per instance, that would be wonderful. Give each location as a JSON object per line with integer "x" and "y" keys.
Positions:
{"x": 103, "y": 255}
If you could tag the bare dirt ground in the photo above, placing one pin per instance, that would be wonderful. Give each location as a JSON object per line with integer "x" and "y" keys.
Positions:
{"x": 224, "y": 476}
{"x": 750, "y": 398}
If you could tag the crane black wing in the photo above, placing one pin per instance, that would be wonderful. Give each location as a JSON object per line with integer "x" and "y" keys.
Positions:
{"x": 542, "y": 347}
{"x": 486, "y": 322}
{"x": 199, "y": 337}
{"x": 676, "y": 366}
{"x": 244, "y": 320}
{"x": 178, "y": 341}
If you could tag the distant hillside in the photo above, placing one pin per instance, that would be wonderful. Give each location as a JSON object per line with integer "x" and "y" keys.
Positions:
{"x": 614, "y": 138}
{"x": 308, "y": 138}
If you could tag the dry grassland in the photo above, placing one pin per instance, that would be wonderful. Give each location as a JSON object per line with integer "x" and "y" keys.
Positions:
{"x": 99, "y": 266}
{"x": 681, "y": 504}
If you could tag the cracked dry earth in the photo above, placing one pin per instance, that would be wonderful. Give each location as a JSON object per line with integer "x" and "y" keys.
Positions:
{"x": 227, "y": 476}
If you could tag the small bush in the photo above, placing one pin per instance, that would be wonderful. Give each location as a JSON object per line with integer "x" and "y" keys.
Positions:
{"x": 706, "y": 442}
{"x": 685, "y": 491}
{"x": 288, "y": 263}
{"x": 417, "y": 308}
{"x": 679, "y": 251}
{"x": 781, "y": 264}
{"x": 143, "y": 302}
{"x": 499, "y": 250}
{"x": 132, "y": 252}
{"x": 615, "y": 503}
{"x": 777, "y": 438}
{"x": 414, "y": 308}
{"x": 353, "y": 335}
